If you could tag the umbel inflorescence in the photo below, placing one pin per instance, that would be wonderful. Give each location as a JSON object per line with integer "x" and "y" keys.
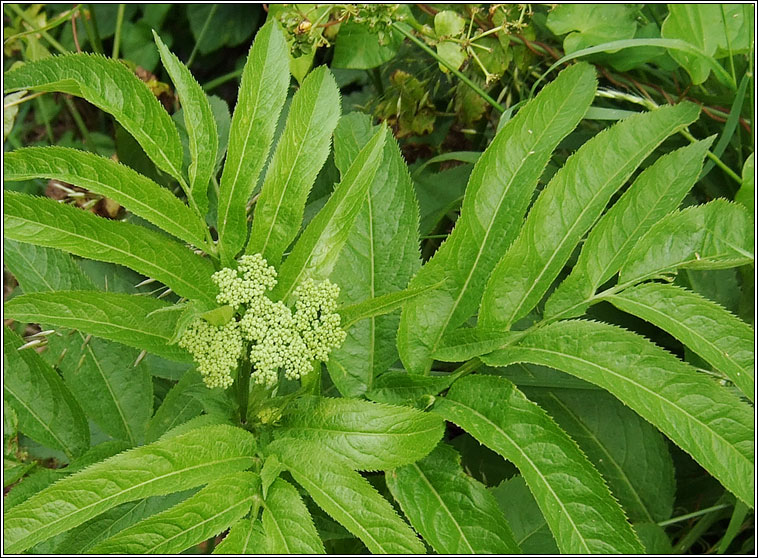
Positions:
{"x": 277, "y": 336}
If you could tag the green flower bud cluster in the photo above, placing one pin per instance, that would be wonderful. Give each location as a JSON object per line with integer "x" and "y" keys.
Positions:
{"x": 278, "y": 338}
{"x": 216, "y": 350}
{"x": 257, "y": 278}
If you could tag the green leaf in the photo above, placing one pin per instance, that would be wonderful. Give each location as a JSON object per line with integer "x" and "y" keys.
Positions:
{"x": 318, "y": 248}
{"x": 43, "y": 222}
{"x": 183, "y": 402}
{"x": 657, "y": 191}
{"x": 353, "y": 313}
{"x": 401, "y": 388}
{"x": 715, "y": 235}
{"x": 629, "y": 452}
{"x": 711, "y": 28}
{"x": 589, "y": 25}
{"x": 698, "y": 415}
{"x": 81, "y": 539}
{"x": 47, "y": 411}
{"x": 379, "y": 258}
{"x": 709, "y": 330}
{"x": 299, "y": 156}
{"x": 113, "y": 316}
{"x": 167, "y": 466}
{"x": 453, "y": 512}
{"x": 466, "y": 343}
{"x": 368, "y": 436}
{"x": 358, "y": 48}
{"x": 262, "y": 92}
{"x": 524, "y": 517}
{"x": 496, "y": 198}
{"x": 746, "y": 194}
{"x": 347, "y": 497}
{"x": 43, "y": 477}
{"x": 199, "y": 517}
{"x": 577, "y": 505}
{"x": 200, "y": 125}
{"x": 218, "y": 316}
{"x": 287, "y": 523}
{"x": 568, "y": 206}
{"x": 101, "y": 175}
{"x": 111, "y": 87}
{"x": 114, "y": 393}
{"x": 245, "y": 537}
{"x": 43, "y": 269}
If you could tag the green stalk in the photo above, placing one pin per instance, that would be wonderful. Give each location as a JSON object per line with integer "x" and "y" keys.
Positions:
{"x": 90, "y": 24}
{"x": 202, "y": 34}
{"x": 53, "y": 43}
{"x": 79, "y": 121}
{"x": 212, "y": 84}
{"x": 700, "y": 528}
{"x": 243, "y": 387}
{"x": 48, "y": 128}
{"x": 692, "y": 515}
{"x": 402, "y": 28}
{"x": 117, "y": 36}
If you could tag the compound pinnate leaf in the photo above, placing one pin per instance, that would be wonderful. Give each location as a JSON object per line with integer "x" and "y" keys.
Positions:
{"x": 299, "y": 156}
{"x": 43, "y": 222}
{"x": 199, "y": 517}
{"x": 262, "y": 92}
{"x": 101, "y": 175}
{"x": 116, "y": 397}
{"x": 380, "y": 305}
{"x": 697, "y": 414}
{"x": 576, "y": 503}
{"x": 629, "y": 452}
{"x": 567, "y": 208}
{"x": 114, "y": 316}
{"x": 111, "y": 87}
{"x": 401, "y": 388}
{"x": 708, "y": 329}
{"x": 287, "y": 523}
{"x": 466, "y": 343}
{"x": 346, "y": 496}
{"x": 318, "y": 248}
{"x": 453, "y": 512}
{"x": 245, "y": 537}
{"x": 524, "y": 517}
{"x": 715, "y": 235}
{"x": 657, "y": 191}
{"x": 47, "y": 411}
{"x": 496, "y": 198}
{"x": 379, "y": 258}
{"x": 369, "y": 436}
{"x": 200, "y": 125}
{"x": 170, "y": 465}
{"x": 81, "y": 539}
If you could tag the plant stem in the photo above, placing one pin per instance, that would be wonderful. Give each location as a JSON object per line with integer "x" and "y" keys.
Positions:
{"x": 692, "y": 515}
{"x": 48, "y": 128}
{"x": 79, "y": 121}
{"x": 700, "y": 528}
{"x": 90, "y": 24}
{"x": 24, "y": 99}
{"x": 243, "y": 388}
{"x": 53, "y": 43}
{"x": 212, "y": 84}
{"x": 479, "y": 91}
{"x": 117, "y": 35}
{"x": 208, "y": 19}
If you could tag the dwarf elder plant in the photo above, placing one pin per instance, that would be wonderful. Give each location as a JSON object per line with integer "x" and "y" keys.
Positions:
{"x": 253, "y": 438}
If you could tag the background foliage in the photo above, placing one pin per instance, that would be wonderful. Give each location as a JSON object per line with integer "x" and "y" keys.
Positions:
{"x": 444, "y": 79}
